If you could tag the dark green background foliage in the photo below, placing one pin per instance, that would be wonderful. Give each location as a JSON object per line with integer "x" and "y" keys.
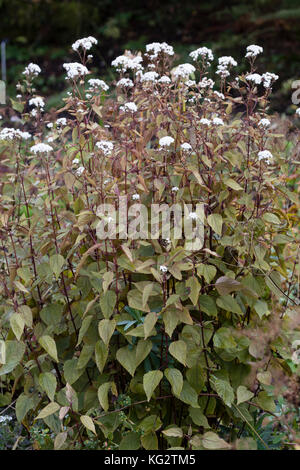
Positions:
{"x": 42, "y": 31}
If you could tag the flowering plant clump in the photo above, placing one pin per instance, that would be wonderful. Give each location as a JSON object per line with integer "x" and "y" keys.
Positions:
{"x": 144, "y": 341}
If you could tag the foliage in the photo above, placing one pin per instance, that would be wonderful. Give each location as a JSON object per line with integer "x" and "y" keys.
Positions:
{"x": 146, "y": 343}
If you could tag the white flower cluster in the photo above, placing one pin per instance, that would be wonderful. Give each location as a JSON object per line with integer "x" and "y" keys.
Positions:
{"x": 156, "y": 48}
{"x": 266, "y": 79}
{"x": 105, "y": 146}
{"x": 41, "y": 148}
{"x": 32, "y": 69}
{"x": 163, "y": 268}
{"x": 85, "y": 43}
{"x": 218, "y": 121}
{"x": 149, "y": 77}
{"x": 183, "y": 71}
{"x": 205, "y": 122}
{"x": 224, "y": 64}
{"x": 5, "y": 418}
{"x": 127, "y": 62}
{"x": 264, "y": 123}
{"x": 219, "y": 95}
{"x": 75, "y": 70}
{"x": 265, "y": 155}
{"x": 8, "y": 133}
{"x": 206, "y": 83}
{"x": 38, "y": 102}
{"x": 60, "y": 122}
{"x": 125, "y": 83}
{"x": 135, "y": 197}
{"x": 298, "y": 111}
{"x": 166, "y": 141}
{"x": 96, "y": 84}
{"x": 186, "y": 147}
{"x": 253, "y": 50}
{"x": 164, "y": 79}
{"x": 203, "y": 52}
{"x": 80, "y": 170}
{"x": 129, "y": 107}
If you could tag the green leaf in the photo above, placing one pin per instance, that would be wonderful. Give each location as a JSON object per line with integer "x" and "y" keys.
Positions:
{"x": 198, "y": 417}
{"x": 142, "y": 350}
{"x": 175, "y": 378}
{"x": 47, "y": 381}
{"x": 130, "y": 442}
{"x": 266, "y": 402}
{"x": 243, "y": 394}
{"x": 106, "y": 328}
{"x": 51, "y": 314}
{"x": 49, "y": 345}
{"x": 88, "y": 423}
{"x": 101, "y": 353}
{"x": 24, "y": 404}
{"x": 14, "y": 352}
{"x": 108, "y": 302}
{"x": 175, "y": 431}
{"x": 207, "y": 271}
{"x": 151, "y": 381}
{"x": 189, "y": 395}
{"x": 48, "y": 410}
{"x": 223, "y": 389}
{"x": 178, "y": 350}
{"x": 261, "y": 308}
{"x": 56, "y": 263}
{"x": 149, "y": 323}
{"x": 195, "y": 287}
{"x": 17, "y": 324}
{"x": 228, "y": 303}
{"x": 84, "y": 328}
{"x": 233, "y": 184}
{"x": 127, "y": 358}
{"x": 215, "y": 221}
{"x": 212, "y": 441}
{"x": 103, "y": 395}
{"x": 71, "y": 371}
{"x": 149, "y": 441}
{"x": 208, "y": 305}
{"x": 226, "y": 285}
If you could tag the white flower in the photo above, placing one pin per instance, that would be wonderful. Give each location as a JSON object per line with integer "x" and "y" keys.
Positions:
{"x": 227, "y": 61}
{"x": 50, "y": 139}
{"x": 193, "y": 216}
{"x": 219, "y": 95}
{"x": 61, "y": 122}
{"x": 5, "y": 418}
{"x": 95, "y": 84}
{"x": 265, "y": 155}
{"x": 190, "y": 83}
{"x": 218, "y": 121}
{"x": 33, "y": 112}
{"x": 85, "y": 43}
{"x": 156, "y": 48}
{"x": 75, "y": 161}
{"x": 105, "y": 146}
{"x": 183, "y": 71}
{"x": 75, "y": 70}
{"x": 175, "y": 189}
{"x": 149, "y": 77}
{"x": 298, "y": 111}
{"x": 79, "y": 171}
{"x": 296, "y": 357}
{"x": 127, "y": 62}
{"x": 205, "y": 122}
{"x": 50, "y": 125}
{"x": 166, "y": 141}
{"x": 203, "y": 52}
{"x": 253, "y": 50}
{"x": 38, "y": 102}
{"x": 255, "y": 78}
{"x": 264, "y": 123}
{"x": 206, "y": 83}
{"x": 268, "y": 78}
{"x": 88, "y": 96}
{"x": 125, "y": 83}
{"x": 41, "y": 148}
{"x": 164, "y": 79}
{"x": 8, "y": 133}
{"x": 163, "y": 268}
{"x": 135, "y": 197}
{"x": 129, "y": 107}
{"x": 186, "y": 147}
{"x": 32, "y": 69}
